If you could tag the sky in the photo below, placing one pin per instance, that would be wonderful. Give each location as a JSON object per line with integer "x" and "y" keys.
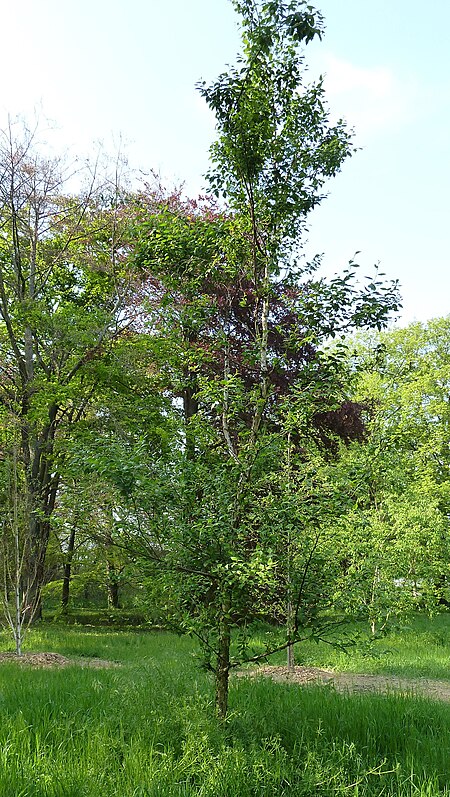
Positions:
{"x": 122, "y": 74}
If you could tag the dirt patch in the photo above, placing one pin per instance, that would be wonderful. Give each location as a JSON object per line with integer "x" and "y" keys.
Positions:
{"x": 355, "y": 682}
{"x": 54, "y": 660}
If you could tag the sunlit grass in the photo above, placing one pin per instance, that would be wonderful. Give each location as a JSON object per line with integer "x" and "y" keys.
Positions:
{"x": 148, "y": 727}
{"x": 421, "y": 648}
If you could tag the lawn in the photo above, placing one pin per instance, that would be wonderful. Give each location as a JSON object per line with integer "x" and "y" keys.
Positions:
{"x": 147, "y": 727}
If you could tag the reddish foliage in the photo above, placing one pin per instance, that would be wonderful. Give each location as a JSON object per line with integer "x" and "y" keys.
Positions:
{"x": 210, "y": 306}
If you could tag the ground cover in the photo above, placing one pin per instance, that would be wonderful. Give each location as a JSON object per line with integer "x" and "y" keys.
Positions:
{"x": 418, "y": 649}
{"x": 147, "y": 727}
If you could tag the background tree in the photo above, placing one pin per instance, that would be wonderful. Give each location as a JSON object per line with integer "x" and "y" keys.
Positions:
{"x": 62, "y": 299}
{"x": 391, "y": 535}
{"x": 129, "y": 421}
{"x": 403, "y": 473}
{"x": 16, "y": 579}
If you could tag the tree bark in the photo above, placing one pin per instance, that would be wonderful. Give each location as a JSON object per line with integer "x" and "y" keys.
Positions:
{"x": 42, "y": 499}
{"x": 65, "y": 594}
{"x": 113, "y": 587}
{"x": 35, "y": 570}
{"x": 190, "y": 410}
{"x": 290, "y": 628}
{"x": 223, "y": 668}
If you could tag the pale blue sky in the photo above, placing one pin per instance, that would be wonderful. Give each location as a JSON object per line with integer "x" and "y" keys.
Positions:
{"x": 103, "y": 69}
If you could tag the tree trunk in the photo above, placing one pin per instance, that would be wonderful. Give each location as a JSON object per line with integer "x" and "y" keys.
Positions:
{"x": 190, "y": 410}
{"x": 35, "y": 571}
{"x": 372, "y": 608}
{"x": 42, "y": 488}
{"x": 18, "y": 617}
{"x": 290, "y": 657}
{"x": 113, "y": 587}
{"x": 223, "y": 669}
{"x": 65, "y": 594}
{"x": 35, "y": 567}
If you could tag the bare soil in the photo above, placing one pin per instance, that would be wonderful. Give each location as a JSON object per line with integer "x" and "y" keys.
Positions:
{"x": 54, "y": 660}
{"x": 355, "y": 682}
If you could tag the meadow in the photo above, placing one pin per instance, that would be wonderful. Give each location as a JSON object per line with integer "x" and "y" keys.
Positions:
{"x": 147, "y": 727}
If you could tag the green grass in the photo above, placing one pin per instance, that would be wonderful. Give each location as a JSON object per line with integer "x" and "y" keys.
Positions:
{"x": 420, "y": 649}
{"x": 110, "y": 618}
{"x": 147, "y": 728}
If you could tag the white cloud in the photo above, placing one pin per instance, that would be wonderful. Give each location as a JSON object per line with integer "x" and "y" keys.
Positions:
{"x": 371, "y": 99}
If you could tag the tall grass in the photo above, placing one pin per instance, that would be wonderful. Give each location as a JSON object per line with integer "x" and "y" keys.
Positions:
{"x": 148, "y": 728}
{"x": 419, "y": 649}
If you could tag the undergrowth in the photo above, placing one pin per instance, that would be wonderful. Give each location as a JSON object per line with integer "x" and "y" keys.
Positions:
{"x": 148, "y": 728}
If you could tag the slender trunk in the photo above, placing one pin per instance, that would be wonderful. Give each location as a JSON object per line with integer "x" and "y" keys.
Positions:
{"x": 190, "y": 409}
{"x": 18, "y": 618}
{"x": 290, "y": 657}
{"x": 290, "y": 628}
{"x": 223, "y": 669}
{"x": 372, "y": 601}
{"x": 65, "y": 594}
{"x": 290, "y": 614}
{"x": 113, "y": 587}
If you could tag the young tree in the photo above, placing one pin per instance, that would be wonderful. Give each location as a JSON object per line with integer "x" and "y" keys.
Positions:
{"x": 245, "y": 323}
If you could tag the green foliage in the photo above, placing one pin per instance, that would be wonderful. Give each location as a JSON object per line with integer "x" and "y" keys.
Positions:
{"x": 227, "y": 531}
{"x": 180, "y": 401}
{"x": 119, "y": 619}
{"x": 400, "y": 482}
{"x": 275, "y": 146}
{"x": 64, "y": 289}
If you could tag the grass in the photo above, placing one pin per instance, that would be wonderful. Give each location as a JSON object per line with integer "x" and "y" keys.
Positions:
{"x": 147, "y": 728}
{"x": 420, "y": 649}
